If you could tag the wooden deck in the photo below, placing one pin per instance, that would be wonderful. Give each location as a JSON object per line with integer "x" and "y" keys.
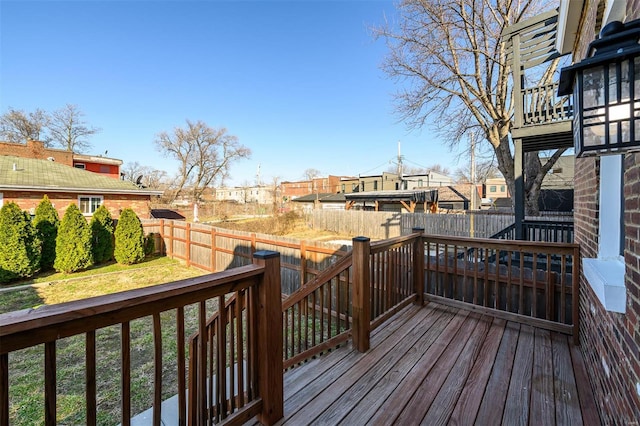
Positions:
{"x": 441, "y": 365}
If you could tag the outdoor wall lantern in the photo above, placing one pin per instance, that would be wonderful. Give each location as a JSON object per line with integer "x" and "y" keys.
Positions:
{"x": 606, "y": 92}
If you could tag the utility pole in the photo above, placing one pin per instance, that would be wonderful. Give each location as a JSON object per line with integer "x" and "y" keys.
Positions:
{"x": 473, "y": 191}
{"x": 399, "y": 163}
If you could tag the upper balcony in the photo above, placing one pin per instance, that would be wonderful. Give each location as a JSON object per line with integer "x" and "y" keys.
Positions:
{"x": 542, "y": 119}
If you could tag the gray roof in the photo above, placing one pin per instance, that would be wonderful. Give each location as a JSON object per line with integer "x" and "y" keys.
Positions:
{"x": 27, "y": 174}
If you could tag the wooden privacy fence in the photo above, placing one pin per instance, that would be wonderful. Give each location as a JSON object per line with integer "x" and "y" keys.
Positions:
{"x": 216, "y": 249}
{"x": 249, "y": 342}
{"x": 384, "y": 225}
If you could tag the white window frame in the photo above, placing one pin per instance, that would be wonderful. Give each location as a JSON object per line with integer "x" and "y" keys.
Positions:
{"x": 605, "y": 274}
{"x": 91, "y": 198}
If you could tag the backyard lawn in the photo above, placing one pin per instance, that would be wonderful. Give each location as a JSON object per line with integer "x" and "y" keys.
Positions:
{"x": 26, "y": 367}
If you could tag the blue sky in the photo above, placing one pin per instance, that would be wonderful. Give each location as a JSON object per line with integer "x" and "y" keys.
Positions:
{"x": 298, "y": 82}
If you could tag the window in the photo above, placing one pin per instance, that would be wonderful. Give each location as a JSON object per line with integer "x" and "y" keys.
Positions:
{"x": 79, "y": 166}
{"x": 105, "y": 169}
{"x": 362, "y": 186}
{"x": 502, "y": 188}
{"x": 605, "y": 274}
{"x": 375, "y": 185}
{"x": 492, "y": 188}
{"x": 420, "y": 183}
{"x": 88, "y": 204}
{"x": 344, "y": 188}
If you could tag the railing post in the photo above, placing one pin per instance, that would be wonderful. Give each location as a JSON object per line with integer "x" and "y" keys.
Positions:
{"x": 575, "y": 295}
{"x": 418, "y": 266}
{"x": 269, "y": 333}
{"x": 361, "y": 293}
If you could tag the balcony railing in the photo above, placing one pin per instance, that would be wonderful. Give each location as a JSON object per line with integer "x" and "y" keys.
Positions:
{"x": 542, "y": 105}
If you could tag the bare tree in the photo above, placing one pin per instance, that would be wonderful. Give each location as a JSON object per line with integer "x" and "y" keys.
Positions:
{"x": 451, "y": 53}
{"x": 18, "y": 126}
{"x": 204, "y": 155}
{"x": 311, "y": 174}
{"x": 146, "y": 176}
{"x": 68, "y": 129}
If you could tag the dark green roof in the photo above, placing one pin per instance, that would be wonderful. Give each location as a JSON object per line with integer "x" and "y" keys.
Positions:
{"x": 27, "y": 174}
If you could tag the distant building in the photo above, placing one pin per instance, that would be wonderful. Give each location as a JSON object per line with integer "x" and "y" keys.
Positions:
{"x": 25, "y": 181}
{"x": 248, "y": 194}
{"x": 36, "y": 150}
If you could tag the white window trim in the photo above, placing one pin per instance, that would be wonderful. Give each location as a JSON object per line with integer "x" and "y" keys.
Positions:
{"x": 90, "y": 196}
{"x": 605, "y": 274}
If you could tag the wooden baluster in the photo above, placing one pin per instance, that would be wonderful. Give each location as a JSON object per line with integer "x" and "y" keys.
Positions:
{"x": 126, "y": 372}
{"x": 201, "y": 368}
{"x": 4, "y": 390}
{"x": 90, "y": 376}
{"x": 157, "y": 378}
{"x": 50, "y": 383}
{"x": 182, "y": 403}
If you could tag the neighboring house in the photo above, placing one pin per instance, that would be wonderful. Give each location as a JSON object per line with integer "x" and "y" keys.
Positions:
{"x": 247, "y": 194}
{"x": 290, "y": 190}
{"x": 384, "y": 182}
{"x": 37, "y": 150}
{"x": 458, "y": 197}
{"x": 323, "y": 201}
{"x": 417, "y": 200}
{"x": 429, "y": 180}
{"x": 495, "y": 188}
{"x": 25, "y": 181}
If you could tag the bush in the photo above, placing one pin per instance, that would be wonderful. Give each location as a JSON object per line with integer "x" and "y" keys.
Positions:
{"x": 149, "y": 244}
{"x": 46, "y": 221}
{"x": 20, "y": 247}
{"x": 129, "y": 239}
{"x": 102, "y": 235}
{"x": 73, "y": 245}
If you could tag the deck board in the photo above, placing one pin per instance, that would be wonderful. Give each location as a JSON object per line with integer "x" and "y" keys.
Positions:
{"x": 444, "y": 365}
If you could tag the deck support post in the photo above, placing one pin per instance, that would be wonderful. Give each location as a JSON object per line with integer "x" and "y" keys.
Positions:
{"x": 361, "y": 325}
{"x": 269, "y": 334}
{"x": 518, "y": 165}
{"x": 418, "y": 266}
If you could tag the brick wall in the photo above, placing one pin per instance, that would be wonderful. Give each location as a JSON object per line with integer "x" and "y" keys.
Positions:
{"x": 115, "y": 203}
{"x": 36, "y": 150}
{"x": 610, "y": 342}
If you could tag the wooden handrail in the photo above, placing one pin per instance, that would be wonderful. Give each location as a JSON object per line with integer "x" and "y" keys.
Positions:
{"x": 259, "y": 281}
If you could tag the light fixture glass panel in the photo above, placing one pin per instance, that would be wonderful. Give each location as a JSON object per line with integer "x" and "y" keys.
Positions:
{"x": 594, "y": 135}
{"x": 636, "y": 78}
{"x": 613, "y": 84}
{"x": 624, "y": 128}
{"x": 625, "y": 81}
{"x": 593, "y": 92}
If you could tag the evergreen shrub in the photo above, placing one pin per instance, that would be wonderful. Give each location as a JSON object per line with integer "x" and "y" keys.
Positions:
{"x": 102, "y": 228}
{"x": 73, "y": 244}
{"x": 46, "y": 221}
{"x": 20, "y": 247}
{"x": 129, "y": 238}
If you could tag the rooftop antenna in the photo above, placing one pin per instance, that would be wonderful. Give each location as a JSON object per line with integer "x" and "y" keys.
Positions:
{"x": 258, "y": 176}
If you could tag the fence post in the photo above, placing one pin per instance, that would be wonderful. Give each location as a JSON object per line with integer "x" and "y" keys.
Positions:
{"x": 361, "y": 325}
{"x": 163, "y": 250}
{"x": 187, "y": 244}
{"x": 269, "y": 333}
{"x": 170, "y": 246}
{"x": 418, "y": 266}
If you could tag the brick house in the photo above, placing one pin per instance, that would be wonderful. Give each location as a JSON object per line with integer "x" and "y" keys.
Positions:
{"x": 25, "y": 181}
{"x": 36, "y": 150}
{"x": 607, "y": 227}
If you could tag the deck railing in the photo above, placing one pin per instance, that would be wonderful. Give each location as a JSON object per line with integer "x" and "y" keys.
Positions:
{"x": 540, "y": 230}
{"x": 531, "y": 282}
{"x": 246, "y": 347}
